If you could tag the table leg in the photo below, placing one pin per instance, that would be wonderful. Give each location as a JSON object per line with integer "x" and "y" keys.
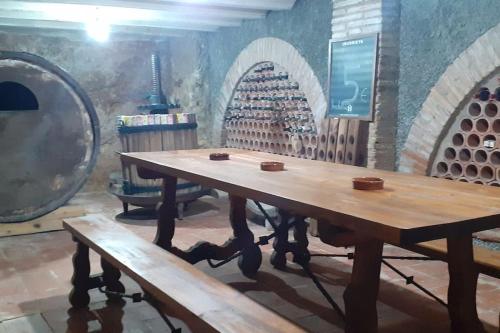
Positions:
{"x": 180, "y": 210}
{"x": 280, "y": 243}
{"x": 125, "y": 208}
{"x": 301, "y": 255}
{"x": 360, "y": 296}
{"x": 251, "y": 259}
{"x": 166, "y": 214}
{"x": 462, "y": 287}
{"x": 242, "y": 240}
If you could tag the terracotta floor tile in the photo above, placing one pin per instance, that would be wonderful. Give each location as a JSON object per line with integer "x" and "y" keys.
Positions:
{"x": 318, "y": 325}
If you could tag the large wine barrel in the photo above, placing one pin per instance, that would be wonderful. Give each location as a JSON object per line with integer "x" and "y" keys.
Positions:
{"x": 49, "y": 136}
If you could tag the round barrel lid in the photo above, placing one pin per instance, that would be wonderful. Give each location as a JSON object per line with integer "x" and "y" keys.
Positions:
{"x": 49, "y": 137}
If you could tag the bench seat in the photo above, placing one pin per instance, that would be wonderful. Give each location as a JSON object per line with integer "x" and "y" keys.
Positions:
{"x": 487, "y": 261}
{"x": 174, "y": 282}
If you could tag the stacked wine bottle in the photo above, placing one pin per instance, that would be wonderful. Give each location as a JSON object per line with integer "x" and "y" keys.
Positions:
{"x": 470, "y": 152}
{"x": 268, "y": 112}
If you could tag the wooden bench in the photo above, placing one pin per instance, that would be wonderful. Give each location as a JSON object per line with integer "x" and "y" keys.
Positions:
{"x": 164, "y": 277}
{"x": 487, "y": 261}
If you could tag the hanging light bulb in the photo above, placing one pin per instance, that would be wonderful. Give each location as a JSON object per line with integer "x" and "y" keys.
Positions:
{"x": 98, "y": 28}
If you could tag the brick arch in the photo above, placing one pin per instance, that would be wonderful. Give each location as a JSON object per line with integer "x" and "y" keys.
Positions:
{"x": 277, "y": 51}
{"x": 473, "y": 65}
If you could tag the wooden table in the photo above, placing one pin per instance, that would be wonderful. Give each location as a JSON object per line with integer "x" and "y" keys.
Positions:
{"x": 410, "y": 209}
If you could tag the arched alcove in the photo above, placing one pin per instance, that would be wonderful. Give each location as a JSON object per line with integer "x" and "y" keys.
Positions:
{"x": 279, "y": 52}
{"x": 269, "y": 112}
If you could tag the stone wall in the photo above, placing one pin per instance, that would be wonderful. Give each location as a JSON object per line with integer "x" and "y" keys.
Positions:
{"x": 115, "y": 75}
{"x": 306, "y": 27}
{"x": 433, "y": 34}
{"x": 353, "y": 18}
{"x": 188, "y": 80}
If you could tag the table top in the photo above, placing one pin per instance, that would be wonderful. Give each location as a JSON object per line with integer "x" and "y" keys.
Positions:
{"x": 409, "y": 209}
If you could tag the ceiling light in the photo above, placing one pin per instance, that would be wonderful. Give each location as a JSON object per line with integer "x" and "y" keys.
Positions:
{"x": 98, "y": 28}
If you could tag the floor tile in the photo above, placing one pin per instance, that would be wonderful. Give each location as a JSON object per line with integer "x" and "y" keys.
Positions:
{"x": 35, "y": 273}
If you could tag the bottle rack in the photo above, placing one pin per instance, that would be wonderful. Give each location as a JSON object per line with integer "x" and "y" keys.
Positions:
{"x": 471, "y": 150}
{"x": 343, "y": 141}
{"x": 268, "y": 112}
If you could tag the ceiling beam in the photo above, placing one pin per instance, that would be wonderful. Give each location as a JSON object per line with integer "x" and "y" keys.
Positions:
{"x": 6, "y": 20}
{"x": 241, "y": 4}
{"x": 84, "y": 13}
{"x": 75, "y": 26}
{"x": 173, "y": 9}
{"x": 159, "y": 15}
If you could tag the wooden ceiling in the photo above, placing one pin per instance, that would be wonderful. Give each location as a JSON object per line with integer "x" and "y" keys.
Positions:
{"x": 143, "y": 17}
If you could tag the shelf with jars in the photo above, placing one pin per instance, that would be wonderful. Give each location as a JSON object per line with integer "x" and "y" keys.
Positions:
{"x": 268, "y": 112}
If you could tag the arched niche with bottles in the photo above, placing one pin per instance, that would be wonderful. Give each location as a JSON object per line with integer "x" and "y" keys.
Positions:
{"x": 269, "y": 112}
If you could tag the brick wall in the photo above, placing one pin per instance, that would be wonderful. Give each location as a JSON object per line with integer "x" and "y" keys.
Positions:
{"x": 353, "y": 18}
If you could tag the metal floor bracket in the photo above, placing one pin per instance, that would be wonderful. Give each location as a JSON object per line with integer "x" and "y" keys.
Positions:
{"x": 299, "y": 258}
{"x": 408, "y": 279}
{"x": 139, "y": 297}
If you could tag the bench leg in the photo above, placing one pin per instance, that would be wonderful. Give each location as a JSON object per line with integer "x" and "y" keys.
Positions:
{"x": 112, "y": 316}
{"x": 166, "y": 214}
{"x": 78, "y": 320}
{"x": 111, "y": 279}
{"x": 79, "y": 296}
{"x": 360, "y": 296}
{"x": 462, "y": 288}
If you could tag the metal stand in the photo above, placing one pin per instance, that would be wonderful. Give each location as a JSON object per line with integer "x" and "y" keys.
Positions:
{"x": 302, "y": 258}
{"x": 408, "y": 279}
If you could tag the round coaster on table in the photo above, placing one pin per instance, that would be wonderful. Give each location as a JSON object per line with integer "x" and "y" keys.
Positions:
{"x": 272, "y": 166}
{"x": 368, "y": 183}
